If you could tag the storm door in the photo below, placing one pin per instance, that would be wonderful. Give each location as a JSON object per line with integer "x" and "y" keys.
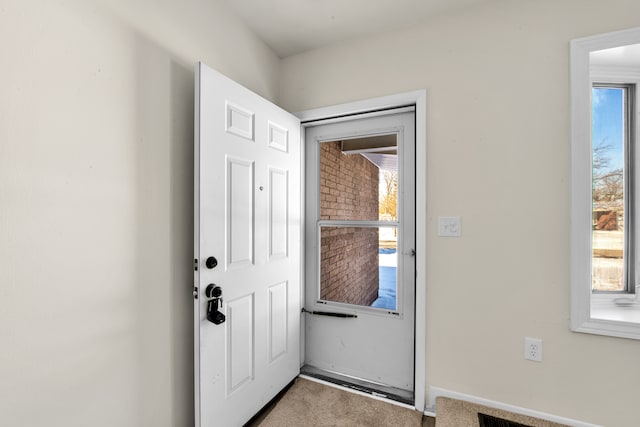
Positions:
{"x": 360, "y": 251}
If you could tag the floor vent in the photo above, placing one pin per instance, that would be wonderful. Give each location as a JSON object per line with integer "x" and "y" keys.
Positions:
{"x": 489, "y": 421}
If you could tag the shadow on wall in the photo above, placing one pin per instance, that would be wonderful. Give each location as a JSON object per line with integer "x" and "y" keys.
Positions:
{"x": 164, "y": 238}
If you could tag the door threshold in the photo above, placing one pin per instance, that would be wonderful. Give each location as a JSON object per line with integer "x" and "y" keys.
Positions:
{"x": 376, "y": 390}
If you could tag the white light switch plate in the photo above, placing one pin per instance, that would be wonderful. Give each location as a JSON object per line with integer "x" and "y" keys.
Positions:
{"x": 449, "y": 226}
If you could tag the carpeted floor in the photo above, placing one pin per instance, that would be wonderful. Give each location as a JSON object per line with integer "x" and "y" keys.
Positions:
{"x": 308, "y": 403}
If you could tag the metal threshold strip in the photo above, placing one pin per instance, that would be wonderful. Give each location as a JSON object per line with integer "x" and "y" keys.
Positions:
{"x": 405, "y": 397}
{"x": 330, "y": 314}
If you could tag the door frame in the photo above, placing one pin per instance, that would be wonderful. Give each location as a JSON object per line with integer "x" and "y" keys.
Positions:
{"x": 369, "y": 108}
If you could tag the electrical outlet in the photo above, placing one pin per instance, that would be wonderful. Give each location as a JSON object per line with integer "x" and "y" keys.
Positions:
{"x": 533, "y": 349}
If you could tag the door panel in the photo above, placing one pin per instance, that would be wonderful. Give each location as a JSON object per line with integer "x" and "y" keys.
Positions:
{"x": 239, "y": 121}
{"x": 278, "y": 137}
{"x": 278, "y": 327}
{"x": 240, "y": 196}
{"x": 247, "y": 216}
{"x": 278, "y": 196}
{"x": 240, "y": 331}
{"x": 346, "y": 243}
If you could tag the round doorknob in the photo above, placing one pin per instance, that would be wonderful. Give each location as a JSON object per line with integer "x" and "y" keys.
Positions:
{"x": 213, "y": 291}
{"x": 211, "y": 262}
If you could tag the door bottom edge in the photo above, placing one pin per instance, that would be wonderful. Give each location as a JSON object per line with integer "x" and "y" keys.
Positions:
{"x": 393, "y": 395}
{"x": 266, "y": 409}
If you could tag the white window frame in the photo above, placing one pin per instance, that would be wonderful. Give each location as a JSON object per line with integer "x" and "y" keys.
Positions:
{"x": 595, "y": 313}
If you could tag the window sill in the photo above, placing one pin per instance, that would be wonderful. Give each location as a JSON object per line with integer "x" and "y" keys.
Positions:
{"x": 604, "y": 317}
{"x": 604, "y": 307}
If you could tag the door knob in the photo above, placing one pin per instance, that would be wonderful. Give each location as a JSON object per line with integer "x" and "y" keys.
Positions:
{"x": 211, "y": 262}
{"x": 213, "y": 291}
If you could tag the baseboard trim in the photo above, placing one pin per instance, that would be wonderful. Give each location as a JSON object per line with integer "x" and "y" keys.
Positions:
{"x": 435, "y": 392}
{"x": 430, "y": 412}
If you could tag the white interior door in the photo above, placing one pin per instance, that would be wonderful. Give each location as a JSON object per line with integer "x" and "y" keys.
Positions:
{"x": 353, "y": 242}
{"x": 247, "y": 217}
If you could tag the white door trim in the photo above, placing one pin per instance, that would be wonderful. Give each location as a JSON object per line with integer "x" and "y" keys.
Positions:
{"x": 419, "y": 99}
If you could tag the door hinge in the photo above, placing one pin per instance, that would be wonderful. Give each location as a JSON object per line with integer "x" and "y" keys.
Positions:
{"x": 195, "y": 264}
{"x": 195, "y": 292}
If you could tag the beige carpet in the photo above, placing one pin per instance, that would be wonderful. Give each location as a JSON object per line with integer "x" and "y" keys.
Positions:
{"x": 308, "y": 403}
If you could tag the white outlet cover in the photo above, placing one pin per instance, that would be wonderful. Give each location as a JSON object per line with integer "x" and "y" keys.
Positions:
{"x": 533, "y": 349}
{"x": 449, "y": 226}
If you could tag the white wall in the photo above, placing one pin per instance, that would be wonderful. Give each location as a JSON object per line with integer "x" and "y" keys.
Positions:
{"x": 497, "y": 78}
{"x": 96, "y": 204}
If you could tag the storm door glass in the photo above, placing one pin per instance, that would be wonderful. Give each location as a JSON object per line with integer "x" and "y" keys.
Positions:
{"x": 358, "y": 221}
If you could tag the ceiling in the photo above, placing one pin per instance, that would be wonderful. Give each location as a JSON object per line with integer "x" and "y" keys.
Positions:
{"x": 294, "y": 26}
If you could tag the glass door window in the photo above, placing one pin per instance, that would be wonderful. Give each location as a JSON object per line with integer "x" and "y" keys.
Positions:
{"x": 358, "y": 223}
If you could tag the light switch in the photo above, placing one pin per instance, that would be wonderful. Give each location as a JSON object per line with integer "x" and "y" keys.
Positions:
{"x": 449, "y": 226}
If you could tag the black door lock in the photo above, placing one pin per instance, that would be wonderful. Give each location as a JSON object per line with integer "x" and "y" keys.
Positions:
{"x": 211, "y": 262}
{"x": 213, "y": 315}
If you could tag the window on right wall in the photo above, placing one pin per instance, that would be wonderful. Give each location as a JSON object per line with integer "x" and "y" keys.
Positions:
{"x": 613, "y": 184}
{"x": 605, "y": 184}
